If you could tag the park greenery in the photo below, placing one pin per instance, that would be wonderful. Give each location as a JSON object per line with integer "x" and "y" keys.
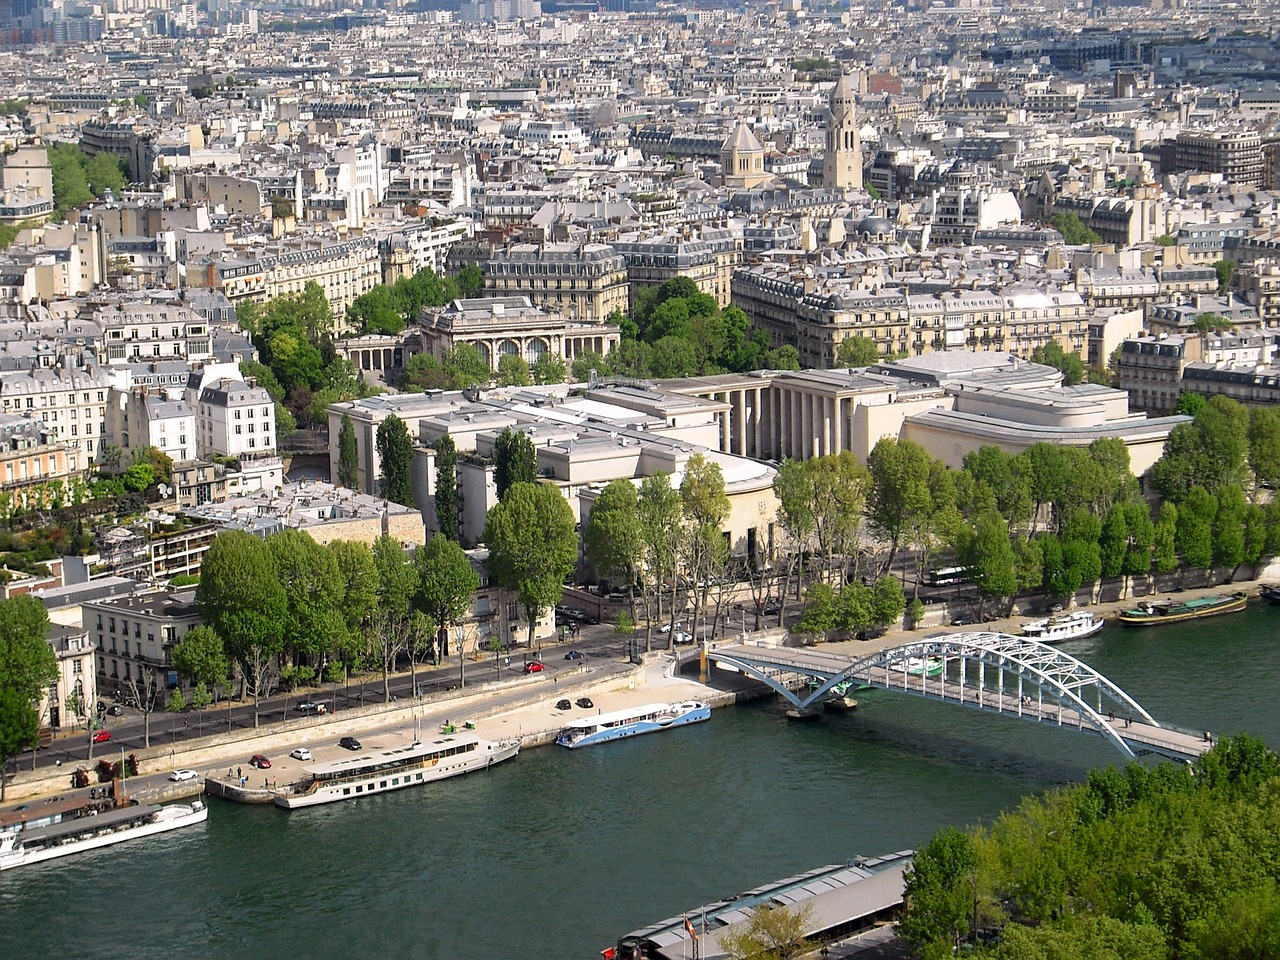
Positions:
{"x": 676, "y": 330}
{"x": 27, "y": 668}
{"x": 389, "y": 308}
{"x": 395, "y": 451}
{"x": 1145, "y": 863}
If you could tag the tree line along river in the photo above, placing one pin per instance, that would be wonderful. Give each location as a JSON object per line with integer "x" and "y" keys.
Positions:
{"x": 557, "y": 853}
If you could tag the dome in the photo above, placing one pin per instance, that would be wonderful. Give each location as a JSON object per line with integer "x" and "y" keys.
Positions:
{"x": 874, "y": 227}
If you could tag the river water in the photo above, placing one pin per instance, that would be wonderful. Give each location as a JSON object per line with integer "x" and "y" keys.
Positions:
{"x": 557, "y": 853}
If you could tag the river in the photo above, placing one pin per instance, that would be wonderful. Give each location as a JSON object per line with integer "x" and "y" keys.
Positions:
{"x": 557, "y": 853}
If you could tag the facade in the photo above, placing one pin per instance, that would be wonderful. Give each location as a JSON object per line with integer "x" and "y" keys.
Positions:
{"x": 31, "y": 461}
{"x": 707, "y": 257}
{"x": 136, "y": 332}
{"x": 580, "y": 282}
{"x": 512, "y": 326}
{"x": 71, "y": 698}
{"x": 234, "y": 419}
{"x": 135, "y": 635}
{"x": 1236, "y": 154}
{"x": 141, "y": 418}
{"x": 72, "y": 403}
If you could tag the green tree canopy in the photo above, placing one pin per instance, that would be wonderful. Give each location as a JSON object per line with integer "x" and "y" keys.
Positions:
{"x": 1053, "y": 355}
{"x": 27, "y": 668}
{"x": 857, "y": 351}
{"x": 446, "y": 585}
{"x": 395, "y": 451}
{"x": 533, "y": 546}
{"x": 514, "y": 460}
{"x": 348, "y": 455}
{"x": 446, "y": 499}
{"x": 1073, "y": 231}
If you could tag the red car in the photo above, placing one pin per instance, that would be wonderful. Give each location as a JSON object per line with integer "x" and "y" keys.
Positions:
{"x": 259, "y": 761}
{"x": 102, "y": 736}
{"x": 533, "y": 666}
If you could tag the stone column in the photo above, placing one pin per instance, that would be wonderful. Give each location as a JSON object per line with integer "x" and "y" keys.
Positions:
{"x": 739, "y": 422}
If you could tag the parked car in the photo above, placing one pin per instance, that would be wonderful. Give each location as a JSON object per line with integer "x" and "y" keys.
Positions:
{"x": 575, "y": 655}
{"x": 259, "y": 761}
{"x": 102, "y": 736}
{"x": 115, "y": 710}
{"x": 963, "y": 620}
{"x": 310, "y": 706}
{"x": 563, "y": 705}
{"x": 585, "y": 703}
{"x": 534, "y": 666}
{"x": 666, "y": 627}
{"x": 301, "y": 753}
{"x": 351, "y": 743}
{"x": 179, "y": 775}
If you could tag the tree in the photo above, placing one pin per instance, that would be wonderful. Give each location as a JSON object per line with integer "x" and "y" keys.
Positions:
{"x": 857, "y": 351}
{"x": 990, "y": 555}
{"x": 1264, "y": 445}
{"x": 1053, "y": 355}
{"x": 899, "y": 489}
{"x": 395, "y": 589}
{"x": 548, "y": 369}
{"x": 613, "y": 536}
{"x": 446, "y": 502}
{"x": 1164, "y": 549}
{"x": 1229, "y": 527}
{"x": 1073, "y": 231}
{"x": 773, "y": 933}
{"x": 446, "y": 585}
{"x": 659, "y": 508}
{"x": 1224, "y": 269}
{"x": 533, "y": 546}
{"x": 466, "y": 367}
{"x": 27, "y": 667}
{"x": 470, "y": 282}
{"x": 243, "y": 601}
{"x": 1209, "y": 452}
{"x": 941, "y": 893}
{"x": 513, "y": 371}
{"x": 348, "y": 457}
{"x": 313, "y": 589}
{"x": 705, "y": 506}
{"x": 887, "y": 601}
{"x": 514, "y": 460}
{"x": 423, "y": 372}
{"x": 139, "y": 477}
{"x": 395, "y": 451}
{"x": 793, "y": 486}
{"x": 1194, "y": 532}
{"x": 200, "y": 657}
{"x": 586, "y": 362}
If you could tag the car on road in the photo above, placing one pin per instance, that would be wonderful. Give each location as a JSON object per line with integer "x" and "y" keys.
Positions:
{"x": 575, "y": 655}
{"x": 102, "y": 736}
{"x": 534, "y": 666}
{"x": 350, "y": 743}
{"x": 585, "y": 703}
{"x": 563, "y": 705}
{"x": 114, "y": 710}
{"x": 179, "y": 775}
{"x": 309, "y": 706}
{"x": 301, "y": 753}
{"x": 259, "y": 761}
{"x": 681, "y": 637}
{"x": 963, "y": 620}
{"x": 666, "y": 627}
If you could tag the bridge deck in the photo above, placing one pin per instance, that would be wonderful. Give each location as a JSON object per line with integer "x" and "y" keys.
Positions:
{"x": 1137, "y": 733}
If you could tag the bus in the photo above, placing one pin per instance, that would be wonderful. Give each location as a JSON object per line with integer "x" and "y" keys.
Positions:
{"x": 948, "y": 576}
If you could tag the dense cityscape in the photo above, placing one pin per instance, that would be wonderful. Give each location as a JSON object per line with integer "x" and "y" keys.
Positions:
{"x": 388, "y": 345}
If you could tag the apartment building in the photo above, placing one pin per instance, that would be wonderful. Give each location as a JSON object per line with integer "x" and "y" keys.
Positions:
{"x": 1236, "y": 154}
{"x": 234, "y": 419}
{"x": 71, "y": 697}
{"x": 708, "y": 257}
{"x": 31, "y": 458}
{"x": 134, "y": 332}
{"x": 139, "y": 418}
{"x": 135, "y": 635}
{"x": 1259, "y": 284}
{"x": 70, "y": 402}
{"x": 581, "y": 282}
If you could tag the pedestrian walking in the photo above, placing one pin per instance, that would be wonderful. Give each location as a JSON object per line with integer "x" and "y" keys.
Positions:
{"x": 228, "y": 773}
{"x": 240, "y": 772}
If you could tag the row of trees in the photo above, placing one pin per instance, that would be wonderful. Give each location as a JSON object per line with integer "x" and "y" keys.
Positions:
{"x": 1141, "y": 863}
{"x": 286, "y": 611}
{"x": 1052, "y": 518}
{"x": 388, "y": 309}
{"x": 663, "y": 543}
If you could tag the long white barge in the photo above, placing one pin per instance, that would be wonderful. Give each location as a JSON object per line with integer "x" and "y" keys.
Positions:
{"x": 632, "y": 722}
{"x": 394, "y": 769}
{"x": 92, "y": 829}
{"x": 1067, "y": 626}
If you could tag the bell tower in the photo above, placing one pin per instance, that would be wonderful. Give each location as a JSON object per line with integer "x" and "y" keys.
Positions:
{"x": 842, "y": 163}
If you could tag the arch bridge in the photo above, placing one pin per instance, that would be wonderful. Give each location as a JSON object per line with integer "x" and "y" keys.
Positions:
{"x": 995, "y": 672}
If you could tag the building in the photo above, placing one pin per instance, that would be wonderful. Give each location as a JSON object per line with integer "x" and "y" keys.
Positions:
{"x": 512, "y": 326}
{"x": 134, "y": 637}
{"x": 842, "y": 162}
{"x": 71, "y": 698}
{"x": 141, "y": 418}
{"x": 35, "y": 469}
{"x": 581, "y": 282}
{"x": 1236, "y": 154}
{"x": 234, "y": 419}
{"x": 71, "y": 402}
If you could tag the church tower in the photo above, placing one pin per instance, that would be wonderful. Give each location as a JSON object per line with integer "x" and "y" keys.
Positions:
{"x": 842, "y": 164}
{"x": 742, "y": 159}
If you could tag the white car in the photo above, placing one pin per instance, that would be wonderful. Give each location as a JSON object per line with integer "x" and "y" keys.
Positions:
{"x": 179, "y": 775}
{"x": 302, "y": 753}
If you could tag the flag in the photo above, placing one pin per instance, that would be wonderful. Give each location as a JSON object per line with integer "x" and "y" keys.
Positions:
{"x": 689, "y": 927}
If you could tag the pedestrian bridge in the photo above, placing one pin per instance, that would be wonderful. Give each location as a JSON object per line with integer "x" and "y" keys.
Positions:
{"x": 995, "y": 672}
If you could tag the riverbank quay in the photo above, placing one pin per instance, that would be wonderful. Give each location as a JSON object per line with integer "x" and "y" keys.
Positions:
{"x": 522, "y": 707}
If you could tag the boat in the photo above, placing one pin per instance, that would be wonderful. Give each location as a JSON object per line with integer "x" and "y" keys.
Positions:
{"x": 1066, "y": 626}
{"x": 838, "y": 698}
{"x": 1270, "y": 592}
{"x": 1177, "y": 611}
{"x": 382, "y": 771}
{"x": 632, "y": 722}
{"x": 93, "y": 826}
{"x": 924, "y": 666}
